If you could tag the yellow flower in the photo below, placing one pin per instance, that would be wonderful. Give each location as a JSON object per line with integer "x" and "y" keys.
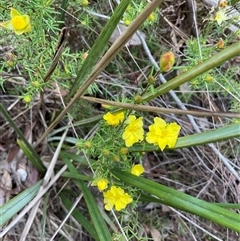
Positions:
{"x": 137, "y": 170}
{"x": 116, "y": 197}
{"x": 19, "y": 23}
{"x": 113, "y": 119}
{"x": 163, "y": 134}
{"x": 220, "y": 16}
{"x": 134, "y": 131}
{"x": 101, "y": 183}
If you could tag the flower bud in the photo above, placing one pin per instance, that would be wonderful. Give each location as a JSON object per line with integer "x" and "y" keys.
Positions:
{"x": 11, "y": 59}
{"x": 105, "y": 152}
{"x": 127, "y": 22}
{"x": 124, "y": 150}
{"x": 27, "y": 98}
{"x": 151, "y": 17}
{"x": 36, "y": 84}
{"x": 220, "y": 43}
{"x": 87, "y": 144}
{"x": 85, "y": 3}
{"x": 167, "y": 61}
{"x": 116, "y": 158}
{"x": 137, "y": 99}
{"x": 104, "y": 106}
{"x": 151, "y": 80}
{"x": 85, "y": 55}
{"x": 223, "y": 4}
{"x": 10, "y": 63}
{"x": 209, "y": 78}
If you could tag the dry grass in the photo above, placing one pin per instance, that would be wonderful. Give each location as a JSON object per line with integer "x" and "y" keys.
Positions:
{"x": 197, "y": 171}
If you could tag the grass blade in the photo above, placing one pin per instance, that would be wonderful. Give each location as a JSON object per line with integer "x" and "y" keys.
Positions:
{"x": 182, "y": 201}
{"x": 79, "y": 217}
{"x": 223, "y": 133}
{"x": 39, "y": 164}
{"x": 98, "y": 47}
{"x": 11, "y": 208}
{"x": 98, "y": 221}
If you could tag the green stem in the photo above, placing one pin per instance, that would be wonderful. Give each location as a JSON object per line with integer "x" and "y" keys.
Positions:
{"x": 206, "y": 65}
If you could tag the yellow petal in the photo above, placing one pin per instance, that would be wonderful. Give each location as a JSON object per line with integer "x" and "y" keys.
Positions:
{"x": 28, "y": 28}
{"x": 172, "y": 142}
{"x": 162, "y": 143}
{"x": 7, "y": 25}
{"x": 14, "y": 13}
{"x": 159, "y": 122}
{"x": 108, "y": 207}
{"x": 137, "y": 169}
{"x": 19, "y": 32}
{"x": 26, "y": 18}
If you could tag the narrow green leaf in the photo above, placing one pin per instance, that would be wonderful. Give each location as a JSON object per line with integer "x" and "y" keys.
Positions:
{"x": 79, "y": 217}
{"x": 40, "y": 166}
{"x": 77, "y": 176}
{"x": 36, "y": 163}
{"x": 63, "y": 10}
{"x": 44, "y": 216}
{"x": 211, "y": 136}
{"x": 12, "y": 207}
{"x": 146, "y": 198}
{"x": 182, "y": 201}
{"x": 229, "y": 205}
{"x": 75, "y": 157}
{"x": 99, "y": 46}
{"x": 82, "y": 122}
{"x": 98, "y": 221}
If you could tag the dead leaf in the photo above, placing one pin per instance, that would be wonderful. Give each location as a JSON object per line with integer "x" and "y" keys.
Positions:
{"x": 5, "y": 180}
{"x": 165, "y": 208}
{"x": 134, "y": 41}
{"x": 155, "y": 235}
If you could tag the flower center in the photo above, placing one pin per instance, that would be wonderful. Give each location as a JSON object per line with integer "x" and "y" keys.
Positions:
{"x": 18, "y": 23}
{"x": 133, "y": 128}
{"x": 164, "y": 133}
